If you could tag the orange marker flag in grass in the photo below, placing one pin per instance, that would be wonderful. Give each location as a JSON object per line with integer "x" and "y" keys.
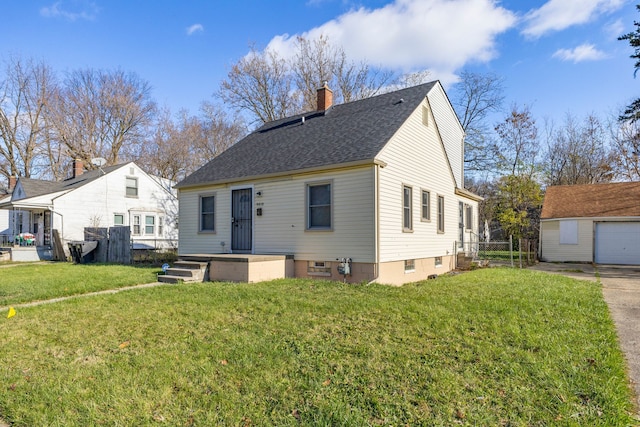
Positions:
{"x": 12, "y": 312}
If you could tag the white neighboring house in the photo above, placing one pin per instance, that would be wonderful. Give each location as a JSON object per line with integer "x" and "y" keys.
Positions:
{"x": 121, "y": 195}
{"x": 378, "y": 180}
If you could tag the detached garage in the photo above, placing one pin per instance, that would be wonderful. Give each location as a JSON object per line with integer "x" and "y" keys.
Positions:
{"x": 591, "y": 223}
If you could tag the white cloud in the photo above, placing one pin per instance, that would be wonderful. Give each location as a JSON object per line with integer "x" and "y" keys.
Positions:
{"x": 409, "y": 35}
{"x": 615, "y": 29}
{"x": 71, "y": 10}
{"x": 584, "y": 52}
{"x": 195, "y": 28}
{"x": 556, "y": 15}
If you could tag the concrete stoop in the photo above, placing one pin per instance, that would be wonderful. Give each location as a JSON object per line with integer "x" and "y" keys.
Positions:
{"x": 185, "y": 271}
{"x": 464, "y": 262}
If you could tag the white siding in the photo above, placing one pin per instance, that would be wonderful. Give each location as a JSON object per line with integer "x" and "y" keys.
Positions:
{"x": 451, "y": 131}
{"x": 281, "y": 228}
{"x": 553, "y": 251}
{"x": 415, "y": 157}
{"x": 94, "y": 205}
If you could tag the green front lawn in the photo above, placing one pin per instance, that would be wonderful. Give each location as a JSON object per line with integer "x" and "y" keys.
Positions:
{"x": 35, "y": 282}
{"x": 491, "y": 347}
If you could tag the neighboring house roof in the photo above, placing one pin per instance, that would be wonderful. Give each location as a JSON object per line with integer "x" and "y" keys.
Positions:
{"x": 38, "y": 187}
{"x": 592, "y": 200}
{"x": 343, "y": 134}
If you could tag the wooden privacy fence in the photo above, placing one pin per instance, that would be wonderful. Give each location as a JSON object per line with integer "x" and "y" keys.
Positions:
{"x": 114, "y": 243}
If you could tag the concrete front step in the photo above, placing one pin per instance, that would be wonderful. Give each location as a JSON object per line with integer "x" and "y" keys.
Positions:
{"x": 185, "y": 271}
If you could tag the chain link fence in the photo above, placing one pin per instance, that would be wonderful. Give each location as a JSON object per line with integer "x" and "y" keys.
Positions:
{"x": 513, "y": 253}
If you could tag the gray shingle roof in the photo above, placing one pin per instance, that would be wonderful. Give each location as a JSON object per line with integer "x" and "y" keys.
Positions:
{"x": 39, "y": 187}
{"x": 345, "y": 133}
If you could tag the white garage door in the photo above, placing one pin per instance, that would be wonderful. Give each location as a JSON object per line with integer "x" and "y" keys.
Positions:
{"x": 617, "y": 243}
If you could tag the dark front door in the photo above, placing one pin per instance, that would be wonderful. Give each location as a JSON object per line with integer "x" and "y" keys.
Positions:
{"x": 241, "y": 220}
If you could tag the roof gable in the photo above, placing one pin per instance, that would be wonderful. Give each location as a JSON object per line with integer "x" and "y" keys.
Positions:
{"x": 592, "y": 200}
{"x": 345, "y": 133}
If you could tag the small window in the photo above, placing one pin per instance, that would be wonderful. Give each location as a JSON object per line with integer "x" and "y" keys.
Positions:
{"x": 409, "y": 265}
{"x": 207, "y": 213}
{"x": 460, "y": 224}
{"x": 407, "y": 220}
{"x": 438, "y": 261}
{"x": 132, "y": 187}
{"x": 118, "y": 219}
{"x": 160, "y": 226}
{"x": 425, "y": 116}
{"x": 440, "y": 214}
{"x": 319, "y": 206}
{"x": 426, "y": 205}
{"x": 469, "y": 217}
{"x": 149, "y": 225}
{"x": 319, "y": 268}
{"x": 136, "y": 225}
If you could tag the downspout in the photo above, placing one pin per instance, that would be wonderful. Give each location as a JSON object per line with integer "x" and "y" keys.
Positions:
{"x": 376, "y": 222}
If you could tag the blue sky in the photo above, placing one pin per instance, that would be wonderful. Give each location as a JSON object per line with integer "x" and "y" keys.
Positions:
{"x": 556, "y": 56}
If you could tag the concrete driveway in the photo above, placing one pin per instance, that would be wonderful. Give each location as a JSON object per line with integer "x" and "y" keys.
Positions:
{"x": 621, "y": 290}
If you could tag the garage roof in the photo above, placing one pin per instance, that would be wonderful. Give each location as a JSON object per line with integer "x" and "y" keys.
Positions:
{"x": 592, "y": 200}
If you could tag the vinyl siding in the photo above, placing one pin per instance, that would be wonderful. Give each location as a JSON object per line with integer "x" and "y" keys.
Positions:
{"x": 415, "y": 157}
{"x": 553, "y": 251}
{"x": 281, "y": 228}
{"x": 451, "y": 131}
{"x": 94, "y": 204}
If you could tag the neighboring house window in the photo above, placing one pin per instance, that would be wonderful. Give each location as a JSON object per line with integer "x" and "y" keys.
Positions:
{"x": 136, "y": 225}
{"x": 426, "y": 205}
{"x": 160, "y": 226}
{"x": 409, "y": 265}
{"x": 469, "y": 217}
{"x": 319, "y": 206}
{"x": 407, "y": 223}
{"x": 118, "y": 219}
{"x": 569, "y": 232}
{"x": 438, "y": 261}
{"x": 440, "y": 214}
{"x": 132, "y": 187}
{"x": 207, "y": 213}
{"x": 149, "y": 225}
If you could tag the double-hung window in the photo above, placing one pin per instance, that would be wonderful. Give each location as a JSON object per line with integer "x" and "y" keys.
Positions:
{"x": 149, "y": 225}
{"x": 207, "y": 213}
{"x": 136, "y": 225}
{"x": 440, "y": 214}
{"x": 407, "y": 208}
{"x": 132, "y": 187}
{"x": 426, "y": 205}
{"x": 319, "y": 206}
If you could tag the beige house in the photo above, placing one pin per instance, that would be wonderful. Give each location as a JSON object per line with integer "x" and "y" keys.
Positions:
{"x": 597, "y": 223}
{"x": 378, "y": 182}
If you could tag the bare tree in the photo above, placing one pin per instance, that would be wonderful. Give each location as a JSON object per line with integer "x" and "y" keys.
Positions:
{"x": 24, "y": 132}
{"x": 475, "y": 98}
{"x": 102, "y": 113}
{"x": 219, "y": 130}
{"x": 180, "y": 146}
{"x": 578, "y": 153}
{"x": 518, "y": 142}
{"x": 625, "y": 145}
{"x": 260, "y": 85}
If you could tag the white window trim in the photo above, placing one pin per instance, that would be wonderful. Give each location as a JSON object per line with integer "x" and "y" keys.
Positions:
{"x": 442, "y": 213}
{"x": 307, "y": 217}
{"x": 215, "y": 216}
{"x": 406, "y": 229}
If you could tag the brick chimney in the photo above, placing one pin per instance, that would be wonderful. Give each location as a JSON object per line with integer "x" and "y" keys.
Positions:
{"x": 325, "y": 97}
{"x": 12, "y": 183}
{"x": 78, "y": 168}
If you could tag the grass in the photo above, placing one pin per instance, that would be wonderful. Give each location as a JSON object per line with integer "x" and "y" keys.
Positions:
{"x": 490, "y": 347}
{"x": 34, "y": 282}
